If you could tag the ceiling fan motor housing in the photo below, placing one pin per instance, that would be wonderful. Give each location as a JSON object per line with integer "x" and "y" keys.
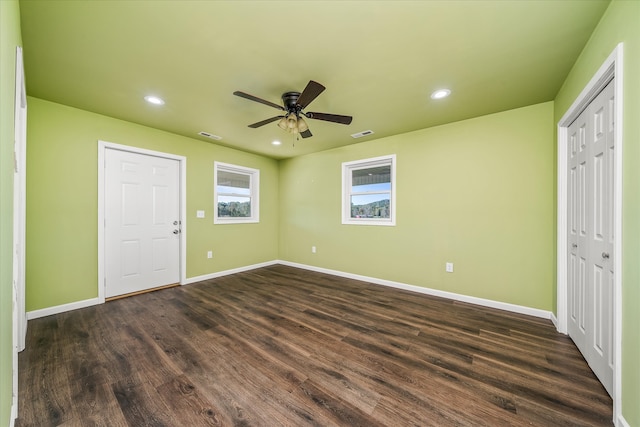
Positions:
{"x": 290, "y": 101}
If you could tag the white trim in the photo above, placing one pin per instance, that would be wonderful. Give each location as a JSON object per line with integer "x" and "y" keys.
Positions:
{"x": 554, "y": 320}
{"x": 610, "y": 69}
{"x": 622, "y": 422}
{"x": 14, "y": 415}
{"x": 544, "y": 314}
{"x": 19, "y": 197}
{"x": 514, "y": 308}
{"x": 97, "y": 301}
{"x": 102, "y": 147}
{"x": 63, "y": 308}
{"x": 347, "y": 167}
{"x": 196, "y": 279}
{"x": 562, "y": 230}
{"x": 254, "y": 191}
{"x": 18, "y": 288}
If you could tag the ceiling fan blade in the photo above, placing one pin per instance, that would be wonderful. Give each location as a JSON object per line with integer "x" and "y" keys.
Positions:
{"x": 310, "y": 93}
{"x": 306, "y": 134}
{"x": 265, "y": 122}
{"x": 256, "y": 99}
{"x": 335, "y": 118}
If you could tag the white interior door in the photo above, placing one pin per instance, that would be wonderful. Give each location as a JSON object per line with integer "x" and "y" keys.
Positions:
{"x": 142, "y": 222}
{"x": 591, "y": 274}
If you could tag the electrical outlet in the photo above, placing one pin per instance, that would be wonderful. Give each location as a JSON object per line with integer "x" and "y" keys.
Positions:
{"x": 199, "y": 214}
{"x": 210, "y": 254}
{"x": 313, "y": 249}
{"x": 449, "y": 267}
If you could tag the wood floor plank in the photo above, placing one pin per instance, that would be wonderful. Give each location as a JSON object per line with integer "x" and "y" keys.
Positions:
{"x": 95, "y": 405}
{"x": 182, "y": 397}
{"x": 43, "y": 386}
{"x": 281, "y": 346}
{"x": 140, "y": 405}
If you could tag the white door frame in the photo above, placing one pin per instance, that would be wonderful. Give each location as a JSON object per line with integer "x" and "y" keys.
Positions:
{"x": 19, "y": 220}
{"x": 102, "y": 147}
{"x": 612, "y": 67}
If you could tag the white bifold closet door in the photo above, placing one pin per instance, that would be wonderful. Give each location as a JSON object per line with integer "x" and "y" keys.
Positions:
{"x": 591, "y": 234}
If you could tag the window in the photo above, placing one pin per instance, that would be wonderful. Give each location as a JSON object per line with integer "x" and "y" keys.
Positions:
{"x": 368, "y": 191}
{"x": 236, "y": 191}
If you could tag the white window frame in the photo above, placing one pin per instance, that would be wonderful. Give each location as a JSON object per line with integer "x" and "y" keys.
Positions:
{"x": 347, "y": 169}
{"x": 254, "y": 191}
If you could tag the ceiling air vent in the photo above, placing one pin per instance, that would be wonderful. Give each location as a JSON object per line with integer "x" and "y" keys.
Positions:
{"x": 210, "y": 135}
{"x": 361, "y": 134}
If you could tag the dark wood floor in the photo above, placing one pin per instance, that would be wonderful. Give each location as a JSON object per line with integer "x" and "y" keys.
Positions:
{"x": 279, "y": 346}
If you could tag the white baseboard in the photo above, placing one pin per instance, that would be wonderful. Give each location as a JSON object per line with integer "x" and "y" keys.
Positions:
{"x": 622, "y": 422}
{"x": 428, "y": 291}
{"x": 14, "y": 415}
{"x": 62, "y": 308}
{"x": 554, "y": 320}
{"x": 95, "y": 301}
{"x": 195, "y": 279}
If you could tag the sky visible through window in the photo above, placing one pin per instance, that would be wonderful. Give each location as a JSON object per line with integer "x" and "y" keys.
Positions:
{"x": 364, "y": 199}
{"x": 239, "y": 194}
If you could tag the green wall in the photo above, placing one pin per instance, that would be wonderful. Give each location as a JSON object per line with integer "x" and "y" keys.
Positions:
{"x": 9, "y": 40}
{"x": 477, "y": 193}
{"x": 620, "y": 23}
{"x": 62, "y": 194}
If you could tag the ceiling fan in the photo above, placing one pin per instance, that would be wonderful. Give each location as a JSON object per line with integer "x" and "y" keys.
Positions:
{"x": 294, "y": 103}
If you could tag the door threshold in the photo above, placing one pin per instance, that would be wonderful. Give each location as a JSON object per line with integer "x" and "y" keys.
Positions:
{"x": 144, "y": 291}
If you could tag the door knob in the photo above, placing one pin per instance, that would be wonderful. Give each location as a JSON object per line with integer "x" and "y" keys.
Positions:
{"x": 605, "y": 255}
{"x": 176, "y": 231}
{"x": 574, "y": 245}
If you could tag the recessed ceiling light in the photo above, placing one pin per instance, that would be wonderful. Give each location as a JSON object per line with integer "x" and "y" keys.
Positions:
{"x": 276, "y": 143}
{"x": 440, "y": 93}
{"x": 154, "y": 100}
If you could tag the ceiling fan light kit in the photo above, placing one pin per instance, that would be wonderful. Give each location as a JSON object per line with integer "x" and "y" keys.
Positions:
{"x": 294, "y": 104}
{"x": 282, "y": 124}
{"x": 302, "y": 125}
{"x": 293, "y": 124}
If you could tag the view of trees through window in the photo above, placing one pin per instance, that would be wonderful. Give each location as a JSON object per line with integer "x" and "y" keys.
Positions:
{"x": 377, "y": 209}
{"x": 234, "y": 209}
